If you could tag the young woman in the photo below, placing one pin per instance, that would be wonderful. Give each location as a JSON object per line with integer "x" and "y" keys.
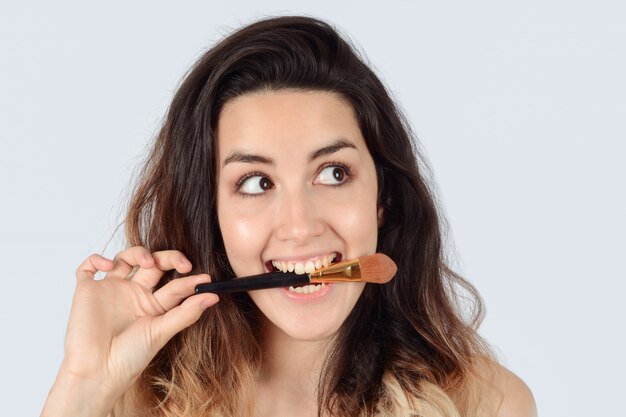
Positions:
{"x": 281, "y": 150}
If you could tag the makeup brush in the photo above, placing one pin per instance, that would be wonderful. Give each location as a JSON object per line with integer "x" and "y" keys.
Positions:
{"x": 376, "y": 269}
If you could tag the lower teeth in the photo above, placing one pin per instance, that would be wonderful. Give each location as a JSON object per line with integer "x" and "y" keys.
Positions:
{"x": 307, "y": 289}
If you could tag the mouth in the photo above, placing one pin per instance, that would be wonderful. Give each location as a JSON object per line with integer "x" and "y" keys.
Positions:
{"x": 304, "y": 266}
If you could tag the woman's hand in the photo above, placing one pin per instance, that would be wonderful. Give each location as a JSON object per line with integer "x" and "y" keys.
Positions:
{"x": 118, "y": 324}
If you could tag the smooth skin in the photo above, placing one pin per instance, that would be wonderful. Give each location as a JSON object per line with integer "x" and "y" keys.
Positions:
{"x": 296, "y": 181}
{"x": 117, "y": 325}
{"x": 275, "y": 201}
{"x": 293, "y": 143}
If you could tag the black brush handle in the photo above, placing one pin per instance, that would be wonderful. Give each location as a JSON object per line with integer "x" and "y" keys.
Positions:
{"x": 254, "y": 282}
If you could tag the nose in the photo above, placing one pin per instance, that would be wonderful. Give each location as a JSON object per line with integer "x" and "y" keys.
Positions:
{"x": 298, "y": 219}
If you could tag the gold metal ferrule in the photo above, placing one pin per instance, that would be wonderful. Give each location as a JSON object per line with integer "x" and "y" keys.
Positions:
{"x": 348, "y": 271}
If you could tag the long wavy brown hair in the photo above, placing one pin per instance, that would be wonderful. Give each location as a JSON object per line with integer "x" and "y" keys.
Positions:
{"x": 408, "y": 348}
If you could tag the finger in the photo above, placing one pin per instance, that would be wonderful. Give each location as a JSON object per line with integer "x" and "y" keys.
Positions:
{"x": 163, "y": 261}
{"x": 175, "y": 291}
{"x": 180, "y": 317}
{"x": 91, "y": 265}
{"x": 126, "y": 260}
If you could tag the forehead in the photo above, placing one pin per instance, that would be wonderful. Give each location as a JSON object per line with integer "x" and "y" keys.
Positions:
{"x": 292, "y": 120}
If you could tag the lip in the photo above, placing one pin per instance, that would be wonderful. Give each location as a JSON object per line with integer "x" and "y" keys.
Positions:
{"x": 312, "y": 298}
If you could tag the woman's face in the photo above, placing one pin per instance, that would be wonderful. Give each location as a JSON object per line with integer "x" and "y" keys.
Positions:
{"x": 296, "y": 188}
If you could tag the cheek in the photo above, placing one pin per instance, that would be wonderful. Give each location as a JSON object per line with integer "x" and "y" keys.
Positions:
{"x": 355, "y": 220}
{"x": 244, "y": 237}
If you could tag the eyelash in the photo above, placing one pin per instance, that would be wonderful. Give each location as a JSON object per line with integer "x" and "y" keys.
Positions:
{"x": 346, "y": 169}
{"x": 247, "y": 175}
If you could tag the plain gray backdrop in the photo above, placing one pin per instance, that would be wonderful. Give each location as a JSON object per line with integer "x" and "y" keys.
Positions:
{"x": 520, "y": 107}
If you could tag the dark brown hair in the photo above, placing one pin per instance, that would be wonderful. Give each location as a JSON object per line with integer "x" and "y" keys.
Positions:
{"x": 410, "y": 329}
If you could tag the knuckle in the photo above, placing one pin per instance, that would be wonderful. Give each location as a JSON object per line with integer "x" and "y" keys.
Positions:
{"x": 88, "y": 263}
{"x": 133, "y": 250}
{"x": 132, "y": 254}
{"x": 171, "y": 254}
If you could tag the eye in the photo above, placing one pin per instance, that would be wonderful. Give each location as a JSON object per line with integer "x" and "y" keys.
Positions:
{"x": 334, "y": 174}
{"x": 254, "y": 184}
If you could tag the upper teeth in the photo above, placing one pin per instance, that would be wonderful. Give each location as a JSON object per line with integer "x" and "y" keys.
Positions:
{"x": 305, "y": 267}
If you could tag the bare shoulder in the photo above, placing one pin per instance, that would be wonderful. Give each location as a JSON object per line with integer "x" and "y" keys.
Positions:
{"x": 508, "y": 395}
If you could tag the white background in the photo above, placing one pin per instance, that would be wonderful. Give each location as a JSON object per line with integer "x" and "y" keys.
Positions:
{"x": 520, "y": 106}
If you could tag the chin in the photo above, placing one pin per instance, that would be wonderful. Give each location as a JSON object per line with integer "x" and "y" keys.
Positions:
{"x": 308, "y": 332}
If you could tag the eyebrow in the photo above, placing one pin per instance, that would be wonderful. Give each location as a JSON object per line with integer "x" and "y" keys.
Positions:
{"x": 248, "y": 158}
{"x": 336, "y": 146}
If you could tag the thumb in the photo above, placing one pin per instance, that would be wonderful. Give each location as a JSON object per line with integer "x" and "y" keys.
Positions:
{"x": 181, "y": 317}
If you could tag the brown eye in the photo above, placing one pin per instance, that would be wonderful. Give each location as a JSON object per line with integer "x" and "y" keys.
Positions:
{"x": 255, "y": 184}
{"x": 338, "y": 174}
{"x": 265, "y": 184}
{"x": 332, "y": 175}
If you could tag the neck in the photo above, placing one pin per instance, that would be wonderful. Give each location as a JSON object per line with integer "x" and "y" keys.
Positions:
{"x": 285, "y": 358}
{"x": 291, "y": 369}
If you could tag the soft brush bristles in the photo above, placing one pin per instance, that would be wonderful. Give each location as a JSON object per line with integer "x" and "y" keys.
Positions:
{"x": 377, "y": 268}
